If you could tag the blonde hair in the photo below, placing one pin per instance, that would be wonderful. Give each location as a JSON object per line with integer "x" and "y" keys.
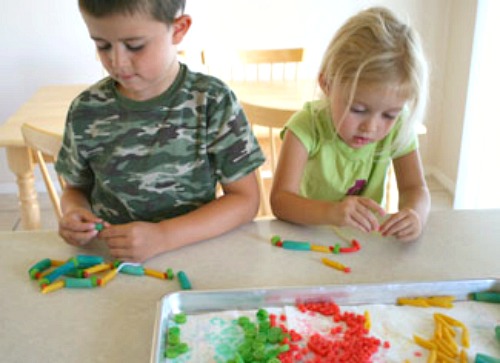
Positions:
{"x": 375, "y": 47}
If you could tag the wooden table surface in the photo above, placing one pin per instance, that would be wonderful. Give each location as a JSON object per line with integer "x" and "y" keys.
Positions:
{"x": 46, "y": 109}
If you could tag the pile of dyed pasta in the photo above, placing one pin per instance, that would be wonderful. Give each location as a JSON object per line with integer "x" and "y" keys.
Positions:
{"x": 322, "y": 332}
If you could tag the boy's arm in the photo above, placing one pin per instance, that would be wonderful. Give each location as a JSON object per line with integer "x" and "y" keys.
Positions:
{"x": 287, "y": 204}
{"x": 73, "y": 198}
{"x": 237, "y": 206}
{"x": 77, "y": 225}
{"x": 139, "y": 241}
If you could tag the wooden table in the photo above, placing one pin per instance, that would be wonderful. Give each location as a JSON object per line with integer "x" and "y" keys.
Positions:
{"x": 115, "y": 323}
{"x": 46, "y": 109}
{"x": 283, "y": 95}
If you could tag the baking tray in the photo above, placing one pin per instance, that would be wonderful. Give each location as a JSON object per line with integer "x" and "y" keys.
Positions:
{"x": 205, "y": 301}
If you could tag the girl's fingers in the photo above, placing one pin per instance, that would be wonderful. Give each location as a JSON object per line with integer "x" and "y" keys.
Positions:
{"x": 402, "y": 226}
{"x": 368, "y": 220}
{"x": 362, "y": 221}
{"x": 373, "y": 206}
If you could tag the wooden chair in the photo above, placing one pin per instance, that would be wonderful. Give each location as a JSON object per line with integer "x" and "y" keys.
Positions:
{"x": 254, "y": 64}
{"x": 272, "y": 120}
{"x": 259, "y": 65}
{"x": 45, "y": 147}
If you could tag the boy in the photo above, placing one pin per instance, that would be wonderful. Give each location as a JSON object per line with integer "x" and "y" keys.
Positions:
{"x": 144, "y": 148}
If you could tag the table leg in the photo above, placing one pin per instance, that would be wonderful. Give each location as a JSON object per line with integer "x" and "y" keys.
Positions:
{"x": 21, "y": 164}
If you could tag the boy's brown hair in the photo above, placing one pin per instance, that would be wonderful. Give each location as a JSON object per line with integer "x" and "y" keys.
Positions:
{"x": 164, "y": 11}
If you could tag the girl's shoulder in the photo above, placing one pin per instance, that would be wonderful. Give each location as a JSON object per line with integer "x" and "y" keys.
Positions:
{"x": 312, "y": 119}
{"x": 310, "y": 125}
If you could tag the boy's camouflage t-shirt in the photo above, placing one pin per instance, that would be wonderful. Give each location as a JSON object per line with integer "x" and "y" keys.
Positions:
{"x": 160, "y": 158}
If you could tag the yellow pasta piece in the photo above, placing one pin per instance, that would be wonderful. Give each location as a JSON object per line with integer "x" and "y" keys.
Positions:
{"x": 368, "y": 320}
{"x": 324, "y": 249}
{"x": 438, "y": 329}
{"x": 449, "y": 339}
{"x": 465, "y": 337}
{"x": 432, "y": 356}
{"x": 441, "y": 301}
{"x": 450, "y": 320}
{"x": 420, "y": 302}
{"x": 427, "y": 344}
{"x": 444, "y": 358}
{"x": 446, "y": 348}
{"x": 449, "y": 331}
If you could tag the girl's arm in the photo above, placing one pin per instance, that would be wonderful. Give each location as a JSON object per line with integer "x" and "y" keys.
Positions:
{"x": 138, "y": 241}
{"x": 414, "y": 199}
{"x": 288, "y": 205}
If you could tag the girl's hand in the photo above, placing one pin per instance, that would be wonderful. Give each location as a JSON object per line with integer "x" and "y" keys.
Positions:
{"x": 358, "y": 212}
{"x": 135, "y": 241}
{"x": 77, "y": 227}
{"x": 404, "y": 225}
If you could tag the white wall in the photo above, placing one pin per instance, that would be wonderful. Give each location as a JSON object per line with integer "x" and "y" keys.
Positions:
{"x": 46, "y": 42}
{"x": 478, "y": 169}
{"x": 446, "y": 135}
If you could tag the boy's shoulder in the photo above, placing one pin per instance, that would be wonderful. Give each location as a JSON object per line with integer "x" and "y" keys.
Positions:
{"x": 203, "y": 82}
{"x": 98, "y": 92}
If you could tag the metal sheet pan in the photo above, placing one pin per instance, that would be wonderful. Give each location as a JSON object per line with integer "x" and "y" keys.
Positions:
{"x": 195, "y": 302}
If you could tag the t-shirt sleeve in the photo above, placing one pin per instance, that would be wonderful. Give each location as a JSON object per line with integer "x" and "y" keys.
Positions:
{"x": 411, "y": 143}
{"x": 232, "y": 147}
{"x": 412, "y": 146}
{"x": 70, "y": 164}
{"x": 300, "y": 125}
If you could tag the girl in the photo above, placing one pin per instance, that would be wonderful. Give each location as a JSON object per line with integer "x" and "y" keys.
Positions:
{"x": 336, "y": 152}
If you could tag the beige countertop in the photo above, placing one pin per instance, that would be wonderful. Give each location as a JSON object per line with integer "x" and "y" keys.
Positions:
{"x": 115, "y": 323}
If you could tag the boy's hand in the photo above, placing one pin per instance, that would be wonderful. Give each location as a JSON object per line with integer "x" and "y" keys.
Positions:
{"x": 404, "y": 225}
{"x": 135, "y": 241}
{"x": 78, "y": 226}
{"x": 358, "y": 212}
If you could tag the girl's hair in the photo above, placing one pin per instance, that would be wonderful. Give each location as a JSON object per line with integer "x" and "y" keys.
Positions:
{"x": 375, "y": 47}
{"x": 162, "y": 10}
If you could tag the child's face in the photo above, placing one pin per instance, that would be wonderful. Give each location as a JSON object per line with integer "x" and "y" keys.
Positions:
{"x": 138, "y": 52}
{"x": 371, "y": 116}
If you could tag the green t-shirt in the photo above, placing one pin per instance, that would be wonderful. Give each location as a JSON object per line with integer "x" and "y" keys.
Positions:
{"x": 156, "y": 159}
{"x": 334, "y": 169}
